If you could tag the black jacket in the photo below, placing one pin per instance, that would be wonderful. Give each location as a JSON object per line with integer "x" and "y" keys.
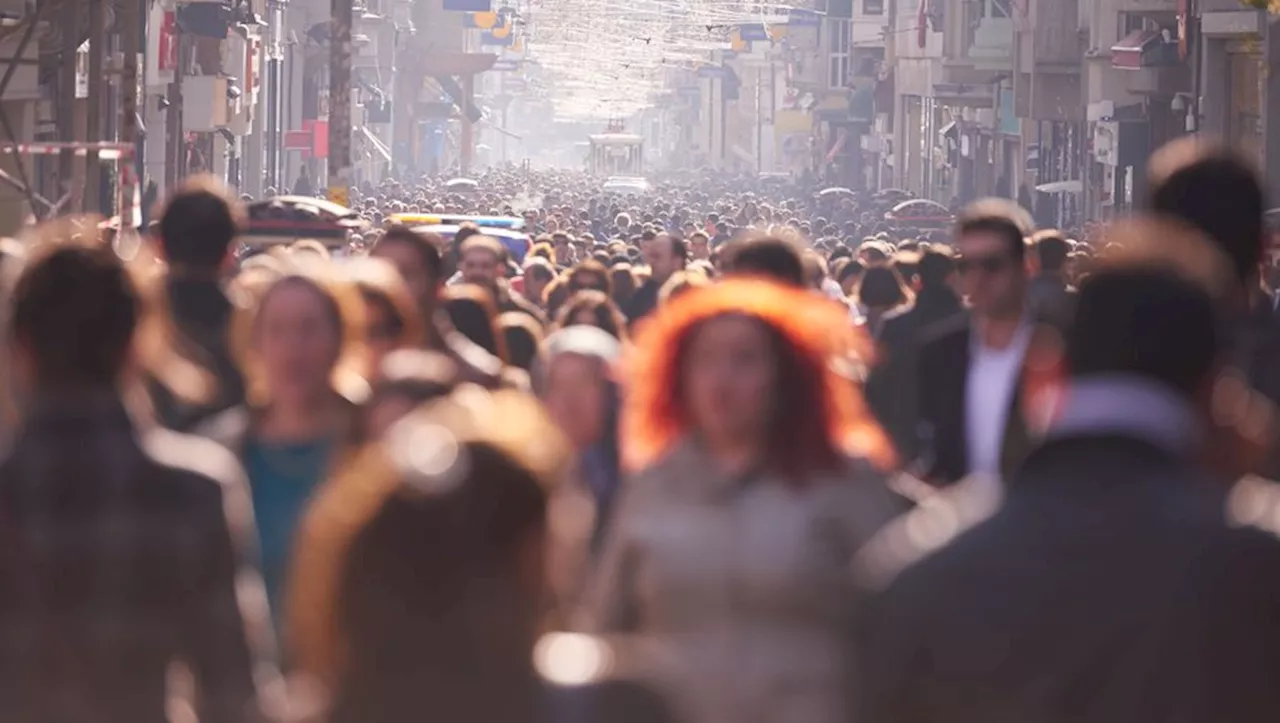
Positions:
{"x": 643, "y": 302}
{"x": 941, "y": 378}
{"x": 1115, "y": 584}
{"x": 202, "y": 316}
{"x": 891, "y": 387}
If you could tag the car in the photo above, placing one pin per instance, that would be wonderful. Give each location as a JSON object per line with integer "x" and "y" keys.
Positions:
{"x": 628, "y": 186}
{"x": 920, "y": 212}
{"x": 517, "y": 243}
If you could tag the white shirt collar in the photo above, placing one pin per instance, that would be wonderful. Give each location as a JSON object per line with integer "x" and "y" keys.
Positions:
{"x": 1128, "y": 405}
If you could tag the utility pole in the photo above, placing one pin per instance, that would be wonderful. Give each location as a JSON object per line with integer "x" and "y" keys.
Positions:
{"x": 340, "y": 102}
{"x": 98, "y": 51}
{"x": 66, "y": 107}
{"x": 130, "y": 24}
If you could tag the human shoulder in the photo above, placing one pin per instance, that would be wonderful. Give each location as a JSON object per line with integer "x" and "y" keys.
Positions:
{"x": 949, "y": 331}
{"x": 205, "y": 473}
{"x": 935, "y": 522}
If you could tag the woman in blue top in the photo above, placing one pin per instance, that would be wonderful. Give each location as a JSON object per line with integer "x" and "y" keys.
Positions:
{"x": 296, "y": 346}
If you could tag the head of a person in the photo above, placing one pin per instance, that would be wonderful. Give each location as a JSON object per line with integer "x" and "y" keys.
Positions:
{"x": 480, "y": 260}
{"x": 937, "y": 268}
{"x": 589, "y": 275}
{"x": 538, "y": 274}
{"x": 1154, "y": 309}
{"x": 1214, "y": 189}
{"x": 521, "y": 334}
{"x": 682, "y": 282}
{"x": 405, "y": 380}
{"x": 474, "y": 314}
{"x": 746, "y": 363}
{"x": 417, "y": 257}
{"x": 303, "y": 342}
{"x": 990, "y": 240}
{"x": 64, "y": 292}
{"x": 593, "y": 308}
{"x": 699, "y": 245}
{"x": 392, "y": 319}
{"x": 665, "y": 255}
{"x": 199, "y": 224}
{"x": 768, "y": 256}
{"x": 882, "y": 288}
{"x": 439, "y": 538}
{"x": 622, "y": 280}
{"x": 562, "y": 246}
{"x": 574, "y": 378}
{"x": 849, "y": 275}
{"x": 1050, "y": 250}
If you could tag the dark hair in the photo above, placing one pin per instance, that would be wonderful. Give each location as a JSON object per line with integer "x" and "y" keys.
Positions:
{"x": 678, "y": 247}
{"x": 623, "y": 281}
{"x": 76, "y": 310}
{"x": 1051, "y": 250}
{"x": 590, "y": 267}
{"x": 419, "y": 585}
{"x": 539, "y": 268}
{"x": 1006, "y": 229}
{"x": 605, "y": 313}
{"x": 768, "y": 256}
{"x": 472, "y": 311}
{"x": 936, "y": 266}
{"x": 882, "y": 287}
{"x": 519, "y": 334}
{"x": 199, "y": 224}
{"x": 1144, "y": 321}
{"x": 1216, "y": 190}
{"x": 425, "y": 245}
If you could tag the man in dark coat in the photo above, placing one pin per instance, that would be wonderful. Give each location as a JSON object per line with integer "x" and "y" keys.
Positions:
{"x": 1115, "y": 582}
{"x": 892, "y": 384}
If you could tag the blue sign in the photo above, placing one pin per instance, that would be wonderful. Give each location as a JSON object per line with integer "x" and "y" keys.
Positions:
{"x": 753, "y": 31}
{"x": 468, "y": 6}
{"x": 804, "y": 18}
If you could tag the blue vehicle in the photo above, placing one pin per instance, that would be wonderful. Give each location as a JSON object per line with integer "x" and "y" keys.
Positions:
{"x": 516, "y": 242}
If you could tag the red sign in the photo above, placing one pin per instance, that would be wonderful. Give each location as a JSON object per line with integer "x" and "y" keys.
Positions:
{"x": 297, "y": 141}
{"x": 320, "y": 138}
{"x": 1183, "y": 40}
{"x": 168, "y": 59}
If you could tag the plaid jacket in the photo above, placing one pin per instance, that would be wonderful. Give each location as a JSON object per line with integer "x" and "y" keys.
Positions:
{"x": 122, "y": 560}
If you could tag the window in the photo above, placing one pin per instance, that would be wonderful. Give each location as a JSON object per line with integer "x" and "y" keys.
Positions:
{"x": 873, "y": 7}
{"x": 994, "y": 9}
{"x": 839, "y": 42}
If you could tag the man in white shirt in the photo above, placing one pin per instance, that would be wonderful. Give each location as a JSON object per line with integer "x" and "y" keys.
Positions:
{"x": 971, "y": 367}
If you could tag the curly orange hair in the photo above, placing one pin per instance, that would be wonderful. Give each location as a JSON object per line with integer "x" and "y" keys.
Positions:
{"x": 821, "y": 416}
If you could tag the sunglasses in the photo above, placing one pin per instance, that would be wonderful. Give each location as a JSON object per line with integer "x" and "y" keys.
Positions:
{"x": 985, "y": 264}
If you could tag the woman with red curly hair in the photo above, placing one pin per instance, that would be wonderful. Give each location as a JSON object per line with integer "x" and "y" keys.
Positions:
{"x": 751, "y": 491}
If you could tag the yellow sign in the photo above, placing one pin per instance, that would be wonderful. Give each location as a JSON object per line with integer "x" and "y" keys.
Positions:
{"x": 340, "y": 195}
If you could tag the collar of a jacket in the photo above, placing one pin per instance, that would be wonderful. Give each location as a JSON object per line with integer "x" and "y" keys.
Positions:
{"x": 1130, "y": 406}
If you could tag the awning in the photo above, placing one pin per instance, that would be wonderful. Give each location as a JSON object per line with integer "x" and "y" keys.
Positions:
{"x": 377, "y": 144}
{"x": 1144, "y": 49}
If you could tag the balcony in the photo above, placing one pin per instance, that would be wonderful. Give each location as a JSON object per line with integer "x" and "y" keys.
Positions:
{"x": 980, "y": 32}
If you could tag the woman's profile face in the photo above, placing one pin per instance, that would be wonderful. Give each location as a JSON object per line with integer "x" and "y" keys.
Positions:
{"x": 575, "y": 396}
{"x": 730, "y": 372}
{"x": 298, "y": 341}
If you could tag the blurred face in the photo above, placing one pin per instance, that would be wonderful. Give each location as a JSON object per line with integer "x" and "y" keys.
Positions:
{"x": 382, "y": 329}
{"x": 730, "y": 373}
{"x": 701, "y": 247}
{"x": 563, "y": 250}
{"x": 535, "y": 286}
{"x": 409, "y": 263}
{"x": 479, "y": 266}
{"x": 661, "y": 257}
{"x": 990, "y": 276}
{"x": 298, "y": 340}
{"x": 575, "y": 396}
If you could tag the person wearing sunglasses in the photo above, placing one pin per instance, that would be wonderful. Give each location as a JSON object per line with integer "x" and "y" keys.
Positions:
{"x": 970, "y": 419}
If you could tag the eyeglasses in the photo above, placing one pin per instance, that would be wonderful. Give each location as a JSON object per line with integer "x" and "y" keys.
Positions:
{"x": 985, "y": 264}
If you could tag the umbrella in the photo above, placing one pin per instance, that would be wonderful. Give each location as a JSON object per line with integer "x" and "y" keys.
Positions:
{"x": 459, "y": 183}
{"x": 836, "y": 191}
{"x": 1061, "y": 187}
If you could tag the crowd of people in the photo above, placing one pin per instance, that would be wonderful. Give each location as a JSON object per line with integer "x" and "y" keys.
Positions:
{"x": 706, "y": 455}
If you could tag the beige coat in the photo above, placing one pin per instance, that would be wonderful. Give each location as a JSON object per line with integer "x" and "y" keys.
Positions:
{"x": 741, "y": 588}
